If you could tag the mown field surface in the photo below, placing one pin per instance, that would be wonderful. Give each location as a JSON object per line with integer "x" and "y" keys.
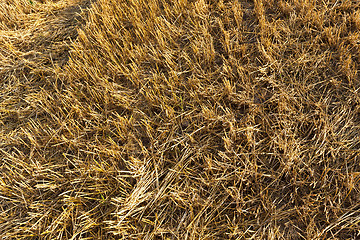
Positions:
{"x": 179, "y": 119}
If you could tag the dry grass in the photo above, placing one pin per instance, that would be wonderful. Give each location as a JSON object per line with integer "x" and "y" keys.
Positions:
{"x": 181, "y": 119}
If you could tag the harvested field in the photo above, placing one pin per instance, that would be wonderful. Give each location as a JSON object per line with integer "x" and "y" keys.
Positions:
{"x": 180, "y": 119}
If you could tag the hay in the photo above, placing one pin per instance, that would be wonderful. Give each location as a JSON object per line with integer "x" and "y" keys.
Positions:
{"x": 184, "y": 119}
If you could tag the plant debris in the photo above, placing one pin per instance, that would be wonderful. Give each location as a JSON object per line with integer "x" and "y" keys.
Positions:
{"x": 179, "y": 119}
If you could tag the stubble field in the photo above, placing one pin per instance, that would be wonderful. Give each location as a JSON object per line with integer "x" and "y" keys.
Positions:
{"x": 179, "y": 119}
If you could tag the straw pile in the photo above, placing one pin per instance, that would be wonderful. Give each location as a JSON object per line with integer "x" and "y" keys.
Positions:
{"x": 179, "y": 119}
